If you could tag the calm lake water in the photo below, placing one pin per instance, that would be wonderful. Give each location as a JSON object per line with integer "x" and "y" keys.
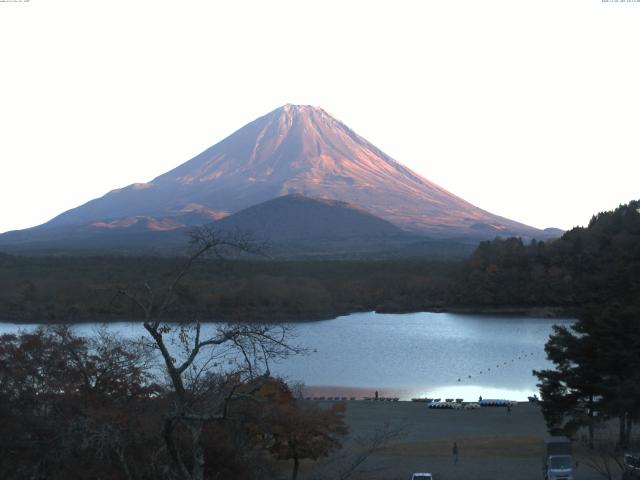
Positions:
{"x": 407, "y": 355}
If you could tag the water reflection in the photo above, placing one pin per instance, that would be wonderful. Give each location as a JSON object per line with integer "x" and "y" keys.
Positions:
{"x": 423, "y": 355}
{"x": 406, "y": 355}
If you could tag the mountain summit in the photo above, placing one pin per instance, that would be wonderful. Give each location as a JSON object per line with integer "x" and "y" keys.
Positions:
{"x": 295, "y": 149}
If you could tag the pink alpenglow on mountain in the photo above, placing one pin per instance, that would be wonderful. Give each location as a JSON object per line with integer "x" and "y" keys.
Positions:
{"x": 295, "y": 149}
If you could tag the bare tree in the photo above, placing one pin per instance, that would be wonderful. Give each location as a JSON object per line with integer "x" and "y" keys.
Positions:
{"x": 605, "y": 454}
{"x": 205, "y": 366}
{"x": 603, "y": 457}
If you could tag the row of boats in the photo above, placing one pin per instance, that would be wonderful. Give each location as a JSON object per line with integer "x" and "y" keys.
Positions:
{"x": 450, "y": 403}
{"x": 431, "y": 402}
{"x": 344, "y": 399}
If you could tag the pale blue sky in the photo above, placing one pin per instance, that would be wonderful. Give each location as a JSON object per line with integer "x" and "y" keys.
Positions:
{"x": 528, "y": 109}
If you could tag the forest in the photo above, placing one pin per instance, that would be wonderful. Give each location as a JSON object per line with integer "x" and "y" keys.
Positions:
{"x": 69, "y": 289}
{"x": 591, "y": 265}
{"x": 584, "y": 266}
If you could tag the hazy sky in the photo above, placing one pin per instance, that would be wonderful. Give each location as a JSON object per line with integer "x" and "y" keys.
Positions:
{"x": 528, "y": 109}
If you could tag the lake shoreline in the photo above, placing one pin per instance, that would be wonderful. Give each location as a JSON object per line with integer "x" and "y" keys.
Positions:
{"x": 544, "y": 311}
{"x": 399, "y": 355}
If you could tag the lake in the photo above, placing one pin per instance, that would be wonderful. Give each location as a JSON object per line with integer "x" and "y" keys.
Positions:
{"x": 444, "y": 355}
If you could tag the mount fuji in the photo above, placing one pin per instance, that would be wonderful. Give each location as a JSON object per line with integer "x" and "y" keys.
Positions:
{"x": 294, "y": 150}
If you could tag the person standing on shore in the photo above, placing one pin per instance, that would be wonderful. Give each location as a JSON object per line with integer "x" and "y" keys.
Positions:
{"x": 508, "y": 409}
{"x": 376, "y": 394}
{"x": 455, "y": 453}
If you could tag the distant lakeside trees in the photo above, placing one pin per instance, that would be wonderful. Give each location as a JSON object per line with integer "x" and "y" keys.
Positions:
{"x": 585, "y": 266}
{"x": 75, "y": 289}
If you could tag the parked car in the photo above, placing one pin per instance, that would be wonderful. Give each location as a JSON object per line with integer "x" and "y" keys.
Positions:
{"x": 557, "y": 459}
{"x": 421, "y": 476}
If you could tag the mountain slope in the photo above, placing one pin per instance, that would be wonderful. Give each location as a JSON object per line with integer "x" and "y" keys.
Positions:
{"x": 298, "y": 218}
{"x": 293, "y": 227}
{"x": 304, "y": 150}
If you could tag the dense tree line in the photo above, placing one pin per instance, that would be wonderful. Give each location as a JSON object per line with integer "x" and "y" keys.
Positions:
{"x": 584, "y": 266}
{"x": 63, "y": 289}
{"x": 597, "y": 361}
{"x": 591, "y": 265}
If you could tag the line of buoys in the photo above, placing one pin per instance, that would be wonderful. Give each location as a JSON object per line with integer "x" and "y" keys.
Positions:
{"x": 522, "y": 356}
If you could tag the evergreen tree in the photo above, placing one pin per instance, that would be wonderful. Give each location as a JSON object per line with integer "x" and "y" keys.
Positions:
{"x": 597, "y": 372}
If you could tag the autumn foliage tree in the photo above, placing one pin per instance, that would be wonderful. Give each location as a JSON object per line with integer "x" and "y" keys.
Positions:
{"x": 290, "y": 428}
{"x": 70, "y": 404}
{"x": 307, "y": 432}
